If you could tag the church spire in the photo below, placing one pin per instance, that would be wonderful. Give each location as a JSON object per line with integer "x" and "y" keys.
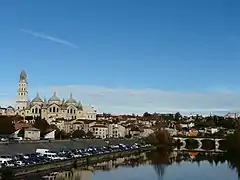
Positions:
{"x": 23, "y": 77}
{"x": 45, "y": 100}
{"x": 22, "y": 92}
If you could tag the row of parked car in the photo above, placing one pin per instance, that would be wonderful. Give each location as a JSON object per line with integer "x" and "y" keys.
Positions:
{"x": 44, "y": 156}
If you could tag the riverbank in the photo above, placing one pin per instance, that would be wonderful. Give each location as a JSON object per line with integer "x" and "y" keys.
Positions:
{"x": 83, "y": 161}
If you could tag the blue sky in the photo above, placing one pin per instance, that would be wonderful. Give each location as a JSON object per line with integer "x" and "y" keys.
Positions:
{"x": 187, "y": 47}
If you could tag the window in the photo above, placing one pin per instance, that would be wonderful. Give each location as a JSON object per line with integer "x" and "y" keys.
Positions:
{"x": 71, "y": 111}
{"x": 50, "y": 110}
{"x": 32, "y": 110}
{"x": 54, "y": 109}
{"x": 36, "y": 110}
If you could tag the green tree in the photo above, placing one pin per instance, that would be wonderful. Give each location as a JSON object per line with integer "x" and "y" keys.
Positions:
{"x": 152, "y": 139}
{"x": 128, "y": 136}
{"x": 89, "y": 134}
{"x": 159, "y": 138}
{"x": 163, "y": 137}
{"x": 42, "y": 125}
{"x": 78, "y": 134}
{"x": 6, "y": 125}
{"x": 60, "y": 134}
{"x": 16, "y": 118}
{"x": 209, "y": 121}
{"x": 177, "y": 116}
{"x": 147, "y": 114}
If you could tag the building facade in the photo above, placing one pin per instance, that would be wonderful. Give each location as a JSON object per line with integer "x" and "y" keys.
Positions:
{"x": 99, "y": 131}
{"x": 116, "y": 131}
{"x": 32, "y": 134}
{"x": 51, "y": 109}
{"x": 9, "y": 111}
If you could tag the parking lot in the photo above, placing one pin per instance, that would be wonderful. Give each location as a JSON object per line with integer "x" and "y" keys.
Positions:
{"x": 46, "y": 156}
{"x": 30, "y": 147}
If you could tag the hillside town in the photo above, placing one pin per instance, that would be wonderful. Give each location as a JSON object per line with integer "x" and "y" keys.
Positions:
{"x": 56, "y": 118}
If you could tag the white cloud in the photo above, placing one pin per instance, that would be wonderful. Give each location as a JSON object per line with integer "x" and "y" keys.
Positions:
{"x": 50, "y": 38}
{"x": 122, "y": 100}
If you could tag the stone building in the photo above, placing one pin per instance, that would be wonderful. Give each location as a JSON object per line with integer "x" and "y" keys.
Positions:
{"x": 32, "y": 134}
{"x": 99, "y": 131}
{"x": 9, "y": 111}
{"x": 51, "y": 109}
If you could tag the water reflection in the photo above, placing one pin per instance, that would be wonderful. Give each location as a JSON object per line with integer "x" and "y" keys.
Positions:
{"x": 159, "y": 161}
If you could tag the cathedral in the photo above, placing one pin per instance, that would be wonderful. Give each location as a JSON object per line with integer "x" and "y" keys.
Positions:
{"x": 51, "y": 109}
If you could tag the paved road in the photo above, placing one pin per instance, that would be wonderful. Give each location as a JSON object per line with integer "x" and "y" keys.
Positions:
{"x": 16, "y": 148}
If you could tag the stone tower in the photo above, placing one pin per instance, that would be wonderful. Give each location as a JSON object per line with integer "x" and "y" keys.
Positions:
{"x": 22, "y": 93}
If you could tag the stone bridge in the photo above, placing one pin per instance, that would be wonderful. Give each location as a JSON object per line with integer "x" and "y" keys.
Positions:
{"x": 199, "y": 140}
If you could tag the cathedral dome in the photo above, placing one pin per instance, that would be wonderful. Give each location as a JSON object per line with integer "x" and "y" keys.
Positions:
{"x": 37, "y": 99}
{"x": 54, "y": 99}
{"x": 71, "y": 100}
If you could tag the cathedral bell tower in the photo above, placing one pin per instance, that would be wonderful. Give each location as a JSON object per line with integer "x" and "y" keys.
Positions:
{"x": 22, "y": 93}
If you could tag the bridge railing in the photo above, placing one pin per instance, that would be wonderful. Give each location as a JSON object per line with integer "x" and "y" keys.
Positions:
{"x": 203, "y": 137}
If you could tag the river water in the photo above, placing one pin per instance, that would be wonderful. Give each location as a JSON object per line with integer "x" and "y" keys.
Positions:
{"x": 183, "y": 171}
{"x": 153, "y": 166}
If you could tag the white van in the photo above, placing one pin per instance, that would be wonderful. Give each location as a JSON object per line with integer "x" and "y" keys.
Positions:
{"x": 45, "y": 151}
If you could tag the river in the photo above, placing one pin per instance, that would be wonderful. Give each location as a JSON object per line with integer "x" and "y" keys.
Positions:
{"x": 157, "y": 165}
{"x": 184, "y": 171}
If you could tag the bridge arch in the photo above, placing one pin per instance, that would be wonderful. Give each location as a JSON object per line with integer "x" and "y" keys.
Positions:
{"x": 183, "y": 140}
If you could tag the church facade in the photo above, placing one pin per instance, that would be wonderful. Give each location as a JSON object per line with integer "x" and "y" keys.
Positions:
{"x": 51, "y": 109}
